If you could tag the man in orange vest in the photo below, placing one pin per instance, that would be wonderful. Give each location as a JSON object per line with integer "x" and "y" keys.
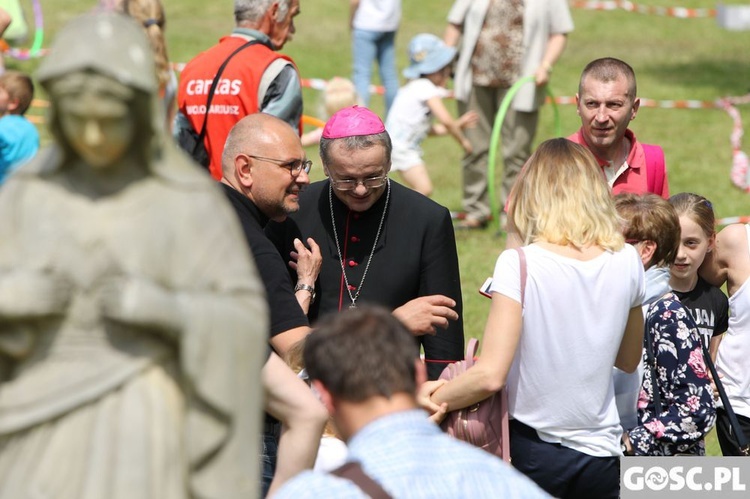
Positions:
{"x": 256, "y": 79}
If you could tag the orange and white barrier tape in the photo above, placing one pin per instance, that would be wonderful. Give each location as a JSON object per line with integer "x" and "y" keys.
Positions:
{"x": 740, "y": 172}
{"x": 663, "y": 104}
{"x": 320, "y": 85}
{"x": 733, "y": 220}
{"x": 680, "y": 12}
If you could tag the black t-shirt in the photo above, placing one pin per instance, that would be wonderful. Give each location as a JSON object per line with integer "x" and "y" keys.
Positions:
{"x": 709, "y": 307}
{"x": 285, "y": 312}
{"x": 284, "y": 308}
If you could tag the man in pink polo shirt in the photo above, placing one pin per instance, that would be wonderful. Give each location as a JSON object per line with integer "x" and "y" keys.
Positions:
{"x": 607, "y": 102}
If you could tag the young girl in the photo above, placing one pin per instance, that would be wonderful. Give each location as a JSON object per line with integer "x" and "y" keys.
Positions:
{"x": 675, "y": 408}
{"x": 707, "y": 304}
{"x": 581, "y": 316}
{"x": 409, "y": 120}
{"x": 338, "y": 94}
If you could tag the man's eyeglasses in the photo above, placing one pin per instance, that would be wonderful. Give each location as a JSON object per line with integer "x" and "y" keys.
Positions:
{"x": 294, "y": 166}
{"x": 350, "y": 185}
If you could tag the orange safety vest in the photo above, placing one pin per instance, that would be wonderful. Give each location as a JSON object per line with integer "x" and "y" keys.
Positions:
{"x": 236, "y": 94}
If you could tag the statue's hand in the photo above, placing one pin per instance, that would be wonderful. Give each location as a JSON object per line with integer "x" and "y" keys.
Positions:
{"x": 140, "y": 302}
{"x": 30, "y": 294}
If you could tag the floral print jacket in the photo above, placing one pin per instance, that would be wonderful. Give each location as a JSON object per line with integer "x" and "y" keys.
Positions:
{"x": 687, "y": 406}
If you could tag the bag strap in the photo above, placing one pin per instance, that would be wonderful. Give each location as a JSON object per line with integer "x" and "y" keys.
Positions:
{"x": 471, "y": 352}
{"x": 353, "y": 471}
{"x": 741, "y": 439}
{"x": 522, "y": 265}
{"x": 504, "y": 392}
{"x": 215, "y": 84}
{"x": 654, "y": 168}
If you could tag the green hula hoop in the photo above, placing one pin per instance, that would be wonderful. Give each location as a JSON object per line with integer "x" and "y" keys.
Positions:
{"x": 495, "y": 138}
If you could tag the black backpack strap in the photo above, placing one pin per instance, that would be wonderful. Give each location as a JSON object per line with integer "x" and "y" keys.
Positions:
{"x": 739, "y": 434}
{"x": 353, "y": 471}
{"x": 215, "y": 83}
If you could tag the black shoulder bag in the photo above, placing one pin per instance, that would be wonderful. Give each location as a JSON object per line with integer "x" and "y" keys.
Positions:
{"x": 192, "y": 142}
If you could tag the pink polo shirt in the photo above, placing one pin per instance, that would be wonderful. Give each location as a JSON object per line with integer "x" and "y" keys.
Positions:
{"x": 633, "y": 179}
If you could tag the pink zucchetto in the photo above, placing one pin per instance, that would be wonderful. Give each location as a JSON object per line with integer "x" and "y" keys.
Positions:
{"x": 351, "y": 122}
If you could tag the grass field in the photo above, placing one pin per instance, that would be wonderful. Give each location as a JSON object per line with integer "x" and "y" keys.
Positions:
{"x": 673, "y": 58}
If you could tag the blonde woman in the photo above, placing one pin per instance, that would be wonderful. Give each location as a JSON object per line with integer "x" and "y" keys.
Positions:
{"x": 581, "y": 315}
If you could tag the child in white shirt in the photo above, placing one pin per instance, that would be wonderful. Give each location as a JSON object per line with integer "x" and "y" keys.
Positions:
{"x": 409, "y": 120}
{"x": 338, "y": 94}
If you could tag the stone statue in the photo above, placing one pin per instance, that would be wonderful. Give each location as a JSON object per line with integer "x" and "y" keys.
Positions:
{"x": 132, "y": 320}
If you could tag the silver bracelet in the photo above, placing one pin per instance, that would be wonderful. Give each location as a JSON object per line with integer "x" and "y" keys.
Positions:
{"x": 306, "y": 287}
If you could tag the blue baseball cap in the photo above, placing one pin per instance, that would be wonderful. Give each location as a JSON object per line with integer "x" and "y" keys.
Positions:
{"x": 427, "y": 54}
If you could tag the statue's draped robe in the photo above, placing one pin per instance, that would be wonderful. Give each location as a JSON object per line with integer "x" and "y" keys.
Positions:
{"x": 94, "y": 409}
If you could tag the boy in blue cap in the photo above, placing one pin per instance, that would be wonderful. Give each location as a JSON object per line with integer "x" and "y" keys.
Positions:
{"x": 409, "y": 120}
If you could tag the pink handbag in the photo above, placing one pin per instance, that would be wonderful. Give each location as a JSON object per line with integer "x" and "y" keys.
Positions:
{"x": 484, "y": 424}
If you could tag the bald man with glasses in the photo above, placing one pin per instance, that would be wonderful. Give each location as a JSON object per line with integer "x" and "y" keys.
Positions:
{"x": 264, "y": 168}
{"x": 381, "y": 242}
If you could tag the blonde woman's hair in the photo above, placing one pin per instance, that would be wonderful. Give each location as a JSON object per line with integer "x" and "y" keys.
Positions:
{"x": 150, "y": 14}
{"x": 561, "y": 197}
{"x": 338, "y": 94}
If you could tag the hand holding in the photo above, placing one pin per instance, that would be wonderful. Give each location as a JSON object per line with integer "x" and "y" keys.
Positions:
{"x": 440, "y": 414}
{"x": 424, "y": 399}
{"x": 424, "y": 314}
{"x": 541, "y": 76}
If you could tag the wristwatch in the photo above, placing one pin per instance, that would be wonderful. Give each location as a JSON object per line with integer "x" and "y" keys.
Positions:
{"x": 306, "y": 287}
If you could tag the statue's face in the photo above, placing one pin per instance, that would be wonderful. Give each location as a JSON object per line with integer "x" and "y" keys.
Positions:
{"x": 94, "y": 116}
